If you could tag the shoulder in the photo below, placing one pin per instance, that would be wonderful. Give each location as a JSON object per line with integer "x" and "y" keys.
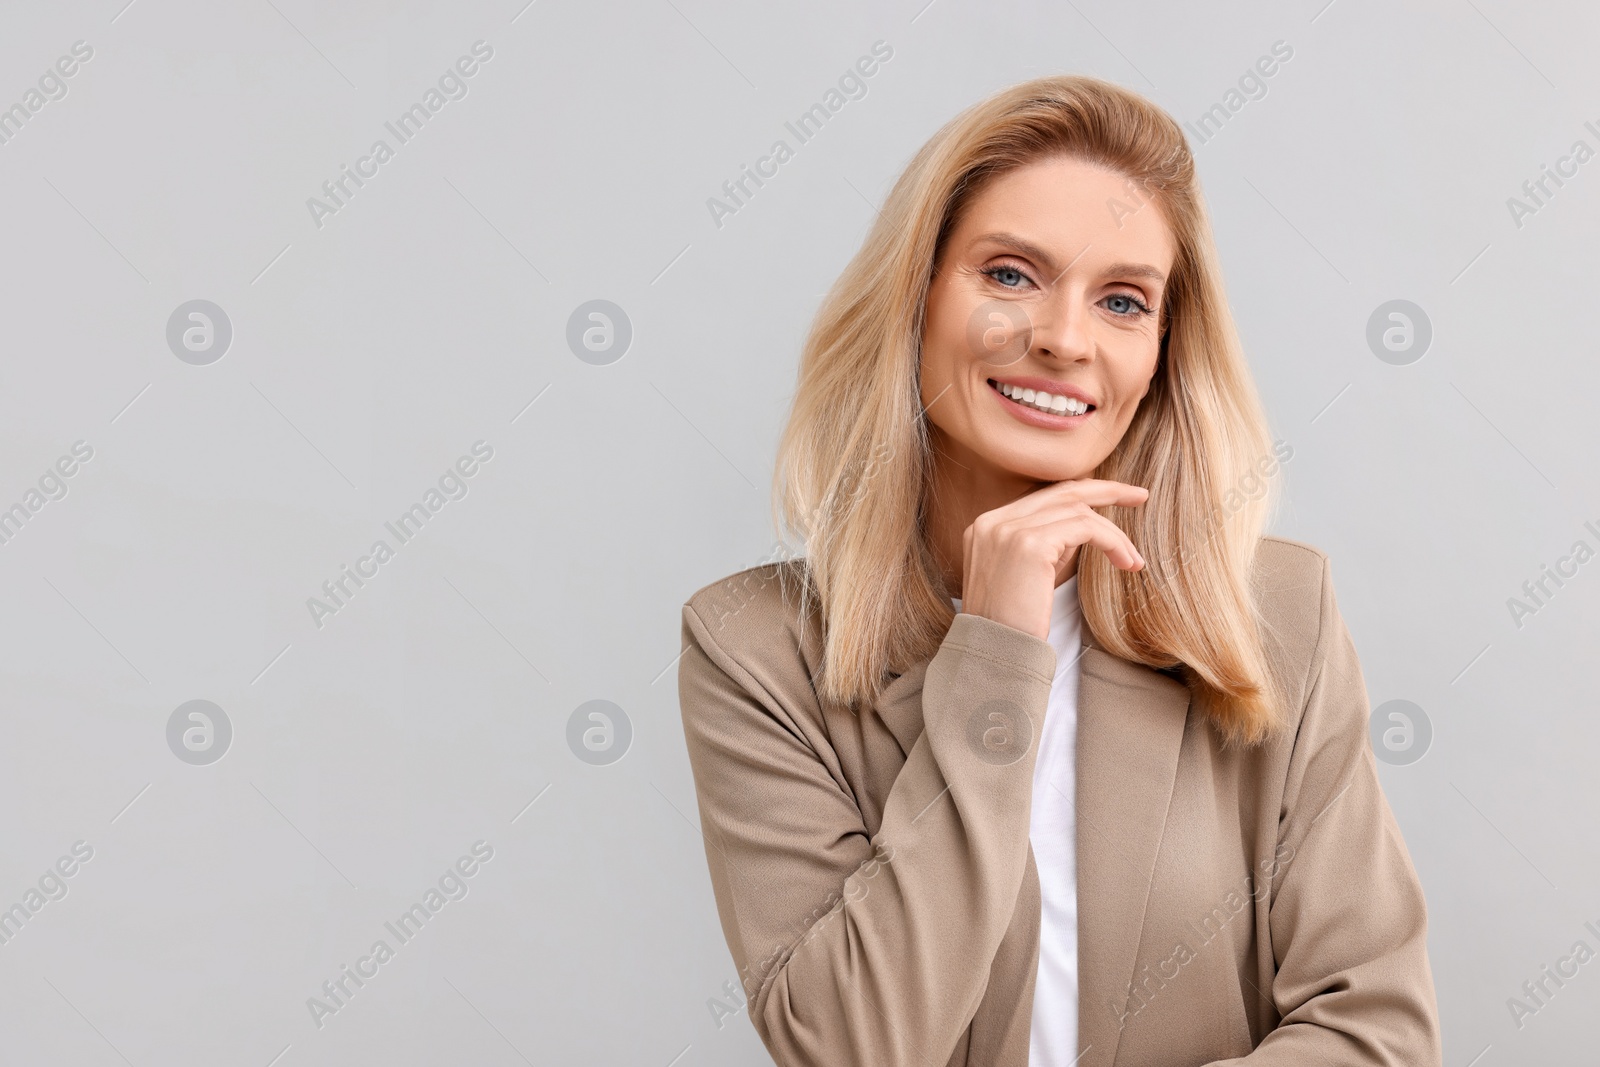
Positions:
{"x": 1287, "y": 577}
{"x": 1290, "y": 583}
{"x": 749, "y": 658}
{"x": 752, "y": 616}
{"x": 1286, "y": 554}
{"x": 1298, "y": 613}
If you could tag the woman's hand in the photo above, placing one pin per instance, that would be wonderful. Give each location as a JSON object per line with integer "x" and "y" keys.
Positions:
{"x": 1016, "y": 555}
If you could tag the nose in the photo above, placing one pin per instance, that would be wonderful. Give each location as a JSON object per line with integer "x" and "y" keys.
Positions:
{"x": 1061, "y": 327}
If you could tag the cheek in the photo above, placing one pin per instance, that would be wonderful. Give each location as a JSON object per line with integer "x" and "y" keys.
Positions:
{"x": 1147, "y": 376}
{"x": 941, "y": 326}
{"x": 1136, "y": 373}
{"x": 942, "y": 338}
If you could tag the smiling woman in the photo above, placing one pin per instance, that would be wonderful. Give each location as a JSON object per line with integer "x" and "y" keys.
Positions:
{"x": 1074, "y": 759}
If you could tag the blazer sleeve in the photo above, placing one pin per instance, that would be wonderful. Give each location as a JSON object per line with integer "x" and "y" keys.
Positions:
{"x": 1348, "y": 920}
{"x": 855, "y": 949}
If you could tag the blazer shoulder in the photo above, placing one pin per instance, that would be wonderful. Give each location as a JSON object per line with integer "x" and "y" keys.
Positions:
{"x": 752, "y": 632}
{"x": 750, "y": 612}
{"x": 1292, "y": 580}
{"x": 1284, "y": 554}
{"x": 1286, "y": 572}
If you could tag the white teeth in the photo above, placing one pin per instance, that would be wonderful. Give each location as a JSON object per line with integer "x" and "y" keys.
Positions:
{"x": 1058, "y": 405}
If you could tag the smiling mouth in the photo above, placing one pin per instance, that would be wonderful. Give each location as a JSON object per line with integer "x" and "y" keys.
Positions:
{"x": 1048, "y": 403}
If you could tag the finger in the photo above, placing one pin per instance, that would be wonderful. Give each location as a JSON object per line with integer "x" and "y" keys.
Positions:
{"x": 1002, "y": 526}
{"x": 1048, "y": 511}
{"x": 1025, "y": 514}
{"x": 1095, "y": 492}
{"x": 1092, "y": 528}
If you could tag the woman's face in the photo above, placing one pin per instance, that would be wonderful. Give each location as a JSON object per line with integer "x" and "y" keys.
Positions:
{"x": 1052, "y": 281}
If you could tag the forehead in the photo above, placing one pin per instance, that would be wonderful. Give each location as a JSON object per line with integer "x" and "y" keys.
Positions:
{"x": 1072, "y": 210}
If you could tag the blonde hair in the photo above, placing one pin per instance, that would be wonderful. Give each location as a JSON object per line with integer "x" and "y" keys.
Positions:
{"x": 854, "y": 463}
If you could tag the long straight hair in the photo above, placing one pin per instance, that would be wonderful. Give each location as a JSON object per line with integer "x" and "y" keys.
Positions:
{"x": 854, "y": 462}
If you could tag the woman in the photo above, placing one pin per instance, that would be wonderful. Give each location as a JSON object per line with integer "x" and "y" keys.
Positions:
{"x": 1044, "y": 754}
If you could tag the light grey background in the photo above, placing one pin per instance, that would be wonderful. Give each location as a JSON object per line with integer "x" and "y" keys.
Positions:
{"x": 368, "y": 354}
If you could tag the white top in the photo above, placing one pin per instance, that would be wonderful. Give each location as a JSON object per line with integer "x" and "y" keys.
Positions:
{"x": 1052, "y": 826}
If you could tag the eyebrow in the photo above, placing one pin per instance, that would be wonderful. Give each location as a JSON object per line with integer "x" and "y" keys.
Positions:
{"x": 1033, "y": 251}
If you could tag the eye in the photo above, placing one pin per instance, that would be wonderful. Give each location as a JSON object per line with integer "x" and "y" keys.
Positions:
{"x": 1127, "y": 305}
{"x": 1006, "y": 275}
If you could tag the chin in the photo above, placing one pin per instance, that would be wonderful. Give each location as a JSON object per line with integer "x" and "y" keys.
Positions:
{"x": 1042, "y": 468}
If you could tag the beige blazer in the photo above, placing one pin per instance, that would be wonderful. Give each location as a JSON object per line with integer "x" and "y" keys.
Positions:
{"x": 877, "y": 888}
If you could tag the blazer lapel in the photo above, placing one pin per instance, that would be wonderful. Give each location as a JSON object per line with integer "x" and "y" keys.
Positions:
{"x": 1130, "y": 729}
